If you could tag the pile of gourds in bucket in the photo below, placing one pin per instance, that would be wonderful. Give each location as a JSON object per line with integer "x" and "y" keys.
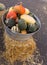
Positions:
{"x": 20, "y": 19}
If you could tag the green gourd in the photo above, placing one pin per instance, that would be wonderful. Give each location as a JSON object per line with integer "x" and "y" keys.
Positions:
{"x": 10, "y": 22}
{"x": 32, "y": 27}
{"x": 22, "y": 25}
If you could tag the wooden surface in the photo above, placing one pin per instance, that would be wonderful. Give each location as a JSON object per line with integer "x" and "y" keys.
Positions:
{"x": 39, "y": 7}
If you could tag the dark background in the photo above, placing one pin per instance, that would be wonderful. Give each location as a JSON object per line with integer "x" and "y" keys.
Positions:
{"x": 39, "y": 7}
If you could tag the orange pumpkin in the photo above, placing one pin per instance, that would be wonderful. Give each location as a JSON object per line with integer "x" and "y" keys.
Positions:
{"x": 19, "y": 9}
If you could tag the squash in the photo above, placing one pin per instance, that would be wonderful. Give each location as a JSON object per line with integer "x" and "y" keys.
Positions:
{"x": 23, "y": 32}
{"x": 2, "y": 7}
{"x": 10, "y": 22}
{"x": 32, "y": 27}
{"x": 28, "y": 18}
{"x": 22, "y": 24}
{"x": 27, "y": 11}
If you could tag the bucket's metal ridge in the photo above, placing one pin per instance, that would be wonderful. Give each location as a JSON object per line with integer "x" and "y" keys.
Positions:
{"x": 16, "y": 35}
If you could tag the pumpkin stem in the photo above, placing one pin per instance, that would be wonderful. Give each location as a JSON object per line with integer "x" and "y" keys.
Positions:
{"x": 21, "y": 3}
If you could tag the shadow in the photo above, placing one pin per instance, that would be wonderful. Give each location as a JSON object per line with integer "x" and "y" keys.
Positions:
{"x": 2, "y": 42}
{"x": 18, "y": 63}
{"x": 3, "y": 61}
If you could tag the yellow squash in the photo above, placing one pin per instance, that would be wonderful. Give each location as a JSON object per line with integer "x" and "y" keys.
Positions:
{"x": 28, "y": 18}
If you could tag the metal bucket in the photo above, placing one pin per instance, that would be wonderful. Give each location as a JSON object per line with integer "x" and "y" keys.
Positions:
{"x": 16, "y": 35}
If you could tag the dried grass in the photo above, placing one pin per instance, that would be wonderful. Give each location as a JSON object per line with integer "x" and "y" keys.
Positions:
{"x": 18, "y": 50}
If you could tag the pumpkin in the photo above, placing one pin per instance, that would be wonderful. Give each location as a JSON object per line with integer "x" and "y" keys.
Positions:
{"x": 10, "y": 22}
{"x": 19, "y": 9}
{"x": 11, "y": 14}
{"x": 28, "y": 18}
{"x": 22, "y": 24}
